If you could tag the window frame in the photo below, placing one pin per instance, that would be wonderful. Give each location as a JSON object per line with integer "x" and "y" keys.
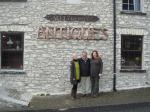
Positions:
{"x": 12, "y": 70}
{"x": 141, "y": 67}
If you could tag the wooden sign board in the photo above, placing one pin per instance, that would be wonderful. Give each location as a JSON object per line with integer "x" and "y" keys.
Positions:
{"x": 86, "y": 18}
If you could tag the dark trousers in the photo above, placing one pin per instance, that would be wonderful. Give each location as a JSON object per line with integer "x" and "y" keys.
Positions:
{"x": 94, "y": 86}
{"x": 74, "y": 90}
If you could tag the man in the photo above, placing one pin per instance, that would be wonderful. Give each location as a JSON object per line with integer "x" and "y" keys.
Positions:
{"x": 85, "y": 73}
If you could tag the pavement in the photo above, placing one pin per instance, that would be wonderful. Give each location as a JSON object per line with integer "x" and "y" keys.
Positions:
{"x": 9, "y": 106}
{"x": 138, "y": 107}
{"x": 105, "y": 101}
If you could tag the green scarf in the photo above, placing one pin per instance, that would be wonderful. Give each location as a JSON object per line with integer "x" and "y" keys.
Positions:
{"x": 77, "y": 69}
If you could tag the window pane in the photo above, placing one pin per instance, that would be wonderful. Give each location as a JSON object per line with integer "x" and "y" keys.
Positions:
{"x": 125, "y": 7}
{"x": 131, "y": 7}
{"x": 131, "y": 52}
{"x": 131, "y": 2}
{"x": 125, "y": 1}
{"x": 131, "y": 60}
{"x": 12, "y": 50}
{"x": 132, "y": 43}
{"x": 12, "y": 60}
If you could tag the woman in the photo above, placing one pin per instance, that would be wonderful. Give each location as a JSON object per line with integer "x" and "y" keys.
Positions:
{"x": 96, "y": 71}
{"x": 75, "y": 75}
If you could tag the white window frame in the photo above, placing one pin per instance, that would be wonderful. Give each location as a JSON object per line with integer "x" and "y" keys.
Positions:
{"x": 128, "y": 31}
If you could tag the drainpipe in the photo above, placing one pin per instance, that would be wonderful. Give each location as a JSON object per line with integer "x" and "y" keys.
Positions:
{"x": 114, "y": 28}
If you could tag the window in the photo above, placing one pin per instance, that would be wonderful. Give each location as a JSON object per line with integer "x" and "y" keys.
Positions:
{"x": 12, "y": 50}
{"x": 131, "y": 5}
{"x": 131, "y": 52}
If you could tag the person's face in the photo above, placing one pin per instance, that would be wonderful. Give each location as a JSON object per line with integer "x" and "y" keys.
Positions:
{"x": 94, "y": 55}
{"x": 84, "y": 56}
{"x": 74, "y": 56}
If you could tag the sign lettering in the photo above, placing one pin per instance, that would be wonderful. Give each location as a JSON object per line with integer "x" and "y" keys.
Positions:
{"x": 72, "y": 33}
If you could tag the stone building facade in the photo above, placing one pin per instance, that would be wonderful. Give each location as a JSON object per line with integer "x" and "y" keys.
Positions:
{"x": 133, "y": 22}
{"x": 45, "y": 62}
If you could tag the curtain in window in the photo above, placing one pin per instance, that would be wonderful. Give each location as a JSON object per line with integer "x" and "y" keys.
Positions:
{"x": 137, "y": 5}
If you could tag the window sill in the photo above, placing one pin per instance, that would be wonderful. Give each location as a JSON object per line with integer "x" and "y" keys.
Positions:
{"x": 133, "y": 12}
{"x": 12, "y": 72}
{"x": 132, "y": 71}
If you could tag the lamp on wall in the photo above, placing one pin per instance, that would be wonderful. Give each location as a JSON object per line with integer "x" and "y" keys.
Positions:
{"x": 9, "y": 42}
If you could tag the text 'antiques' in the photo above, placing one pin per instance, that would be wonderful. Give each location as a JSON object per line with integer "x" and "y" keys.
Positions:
{"x": 72, "y": 33}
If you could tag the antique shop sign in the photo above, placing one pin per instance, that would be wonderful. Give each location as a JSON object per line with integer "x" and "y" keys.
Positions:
{"x": 81, "y": 33}
{"x": 85, "y": 18}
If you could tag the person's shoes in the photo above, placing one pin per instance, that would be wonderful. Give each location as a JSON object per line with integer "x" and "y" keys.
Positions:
{"x": 73, "y": 98}
{"x": 94, "y": 96}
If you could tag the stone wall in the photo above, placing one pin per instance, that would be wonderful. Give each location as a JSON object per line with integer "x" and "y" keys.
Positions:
{"x": 46, "y": 61}
{"x": 134, "y": 24}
